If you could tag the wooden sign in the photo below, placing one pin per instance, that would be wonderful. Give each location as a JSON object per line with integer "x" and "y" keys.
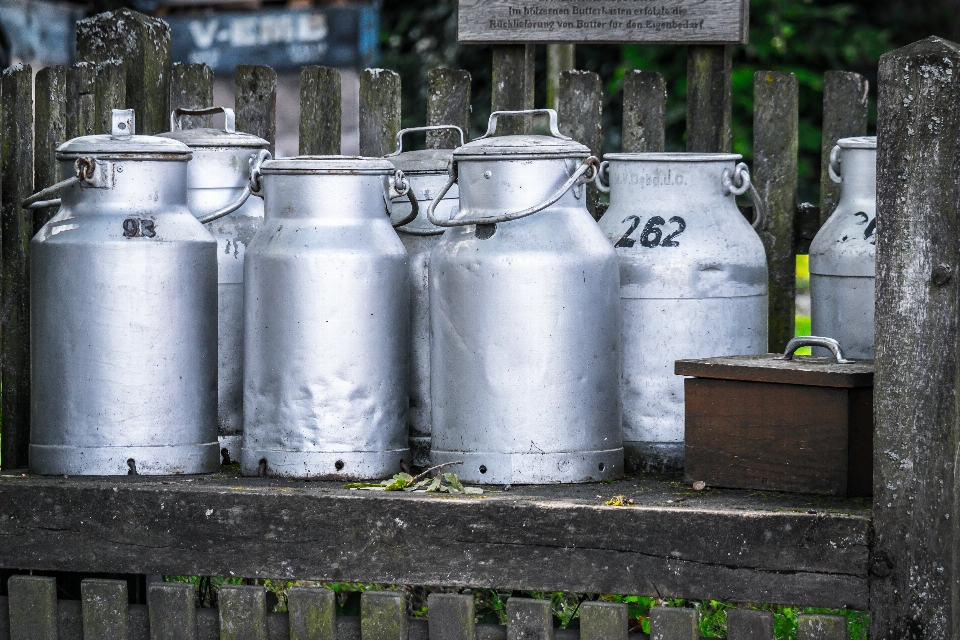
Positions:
{"x": 607, "y": 21}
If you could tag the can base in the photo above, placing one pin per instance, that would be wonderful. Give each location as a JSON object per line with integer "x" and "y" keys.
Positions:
{"x": 533, "y": 468}
{"x": 112, "y": 461}
{"x": 653, "y": 457}
{"x": 420, "y": 451}
{"x": 233, "y": 444}
{"x": 327, "y": 465}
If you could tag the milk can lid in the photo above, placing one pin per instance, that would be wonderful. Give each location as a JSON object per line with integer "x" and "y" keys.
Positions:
{"x": 123, "y": 141}
{"x": 428, "y": 160}
{"x": 354, "y": 165}
{"x": 556, "y": 145}
{"x": 859, "y": 142}
{"x": 210, "y": 137}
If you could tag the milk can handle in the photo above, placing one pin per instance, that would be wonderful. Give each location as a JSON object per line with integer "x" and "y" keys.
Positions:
{"x": 603, "y": 177}
{"x": 577, "y": 178}
{"x": 253, "y": 186}
{"x": 554, "y": 131}
{"x": 833, "y": 167}
{"x": 402, "y": 187}
{"x": 230, "y": 120}
{"x": 738, "y": 182}
{"x": 85, "y": 171}
{"x": 814, "y": 341}
{"x": 437, "y": 127}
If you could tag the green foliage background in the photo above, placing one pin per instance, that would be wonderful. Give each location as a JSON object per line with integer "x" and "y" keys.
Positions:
{"x": 806, "y": 37}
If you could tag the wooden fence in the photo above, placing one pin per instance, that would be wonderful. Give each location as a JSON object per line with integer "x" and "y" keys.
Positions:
{"x": 103, "y": 613}
{"x": 900, "y": 559}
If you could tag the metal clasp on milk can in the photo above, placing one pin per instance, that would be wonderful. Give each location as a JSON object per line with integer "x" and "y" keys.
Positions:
{"x": 123, "y": 314}
{"x": 427, "y": 172}
{"x": 221, "y": 177}
{"x": 693, "y": 284}
{"x": 843, "y": 253}
{"x": 524, "y": 316}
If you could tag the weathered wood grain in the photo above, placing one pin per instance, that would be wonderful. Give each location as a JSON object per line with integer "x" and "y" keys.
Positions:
{"x": 503, "y": 21}
{"x": 104, "y": 609}
{"x": 538, "y": 538}
{"x": 844, "y": 115}
{"x": 321, "y": 111}
{"x": 313, "y": 614}
{"x": 709, "y": 99}
{"x": 748, "y": 624}
{"x": 529, "y": 619}
{"x": 775, "y": 146}
{"x": 81, "y": 99}
{"x": 580, "y": 115}
{"x": 4, "y": 619}
{"x": 142, "y": 44}
{"x": 672, "y": 623}
{"x": 560, "y": 58}
{"x": 243, "y": 612}
{"x": 69, "y": 620}
{"x": 109, "y": 94}
{"x": 173, "y": 614}
{"x": 818, "y": 626}
{"x": 383, "y": 615}
{"x": 451, "y": 616}
{"x": 448, "y": 102}
{"x": 644, "y": 111}
{"x": 138, "y": 622}
{"x": 191, "y": 87}
{"x": 256, "y": 102}
{"x": 32, "y": 601}
{"x": 379, "y": 111}
{"x": 603, "y": 621}
{"x": 513, "y": 83}
{"x": 807, "y": 370}
{"x": 916, "y": 555}
{"x": 50, "y": 132}
{"x": 16, "y": 88}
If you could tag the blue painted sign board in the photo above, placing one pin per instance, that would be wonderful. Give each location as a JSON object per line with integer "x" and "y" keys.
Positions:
{"x": 342, "y": 36}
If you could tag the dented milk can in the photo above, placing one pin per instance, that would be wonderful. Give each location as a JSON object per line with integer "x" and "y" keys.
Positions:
{"x": 123, "y": 322}
{"x": 524, "y": 297}
{"x": 427, "y": 172}
{"x": 693, "y": 284}
{"x": 218, "y": 193}
{"x": 327, "y": 315}
{"x": 843, "y": 252}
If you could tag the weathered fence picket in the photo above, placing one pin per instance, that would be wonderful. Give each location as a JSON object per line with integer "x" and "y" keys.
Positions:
{"x": 748, "y": 624}
{"x": 644, "y": 112}
{"x": 379, "y": 111}
{"x": 16, "y": 89}
{"x": 580, "y": 105}
{"x": 513, "y": 84}
{"x": 775, "y": 144}
{"x": 256, "y": 102}
{"x": 709, "y": 98}
{"x": 191, "y": 87}
{"x": 448, "y": 102}
{"x": 320, "y": 111}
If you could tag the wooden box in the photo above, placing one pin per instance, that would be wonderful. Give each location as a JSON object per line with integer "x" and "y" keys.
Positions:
{"x": 758, "y": 422}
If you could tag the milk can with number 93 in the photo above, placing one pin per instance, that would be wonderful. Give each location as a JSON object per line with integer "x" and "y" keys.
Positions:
{"x": 693, "y": 284}
{"x": 123, "y": 322}
{"x": 524, "y": 317}
{"x": 843, "y": 253}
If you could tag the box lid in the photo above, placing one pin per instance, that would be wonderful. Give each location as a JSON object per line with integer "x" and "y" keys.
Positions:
{"x": 771, "y": 367}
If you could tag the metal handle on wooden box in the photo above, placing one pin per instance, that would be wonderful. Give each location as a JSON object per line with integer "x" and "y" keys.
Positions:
{"x": 814, "y": 341}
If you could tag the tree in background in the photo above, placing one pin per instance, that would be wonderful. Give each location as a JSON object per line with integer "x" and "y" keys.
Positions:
{"x": 806, "y": 37}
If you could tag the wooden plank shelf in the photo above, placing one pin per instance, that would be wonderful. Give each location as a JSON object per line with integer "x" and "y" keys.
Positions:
{"x": 672, "y": 542}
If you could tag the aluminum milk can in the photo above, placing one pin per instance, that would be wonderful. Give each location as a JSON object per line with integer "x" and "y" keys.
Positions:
{"x": 693, "y": 284}
{"x": 123, "y": 320}
{"x": 524, "y": 296}
{"x": 427, "y": 172}
{"x": 326, "y": 333}
{"x": 843, "y": 252}
{"x": 218, "y": 193}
